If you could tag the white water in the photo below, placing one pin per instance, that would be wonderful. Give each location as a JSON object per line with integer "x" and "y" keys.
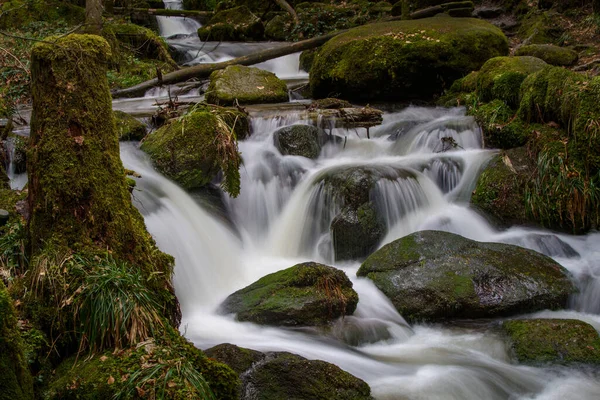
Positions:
{"x": 282, "y": 217}
{"x": 171, "y": 26}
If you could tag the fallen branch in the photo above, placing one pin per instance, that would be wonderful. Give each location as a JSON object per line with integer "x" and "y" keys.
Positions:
{"x": 204, "y": 70}
{"x": 588, "y": 66}
{"x": 287, "y": 7}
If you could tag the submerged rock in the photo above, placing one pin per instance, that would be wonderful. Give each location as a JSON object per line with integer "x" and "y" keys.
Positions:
{"x": 282, "y": 375}
{"x": 307, "y": 294}
{"x": 128, "y": 127}
{"x": 553, "y": 341}
{"x": 433, "y": 276}
{"x": 234, "y": 24}
{"x": 245, "y": 85}
{"x": 300, "y": 140}
{"x": 404, "y": 59}
{"x": 553, "y": 55}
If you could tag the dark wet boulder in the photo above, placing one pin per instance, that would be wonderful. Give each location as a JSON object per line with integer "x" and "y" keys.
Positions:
{"x": 128, "y": 127}
{"x": 300, "y": 140}
{"x": 279, "y": 27}
{"x": 357, "y": 232}
{"x": 15, "y": 379}
{"x": 405, "y": 59}
{"x": 245, "y": 85}
{"x": 501, "y": 77}
{"x": 551, "y": 54}
{"x": 307, "y": 294}
{"x": 282, "y": 375}
{"x": 190, "y": 150}
{"x": 434, "y": 276}
{"x": 553, "y": 341}
{"x": 234, "y": 24}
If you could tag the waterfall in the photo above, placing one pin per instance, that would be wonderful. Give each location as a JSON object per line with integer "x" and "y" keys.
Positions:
{"x": 172, "y": 26}
{"x": 282, "y": 217}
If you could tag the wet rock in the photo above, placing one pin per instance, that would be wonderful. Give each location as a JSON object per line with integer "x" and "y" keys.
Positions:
{"x": 357, "y": 232}
{"x": 234, "y": 24}
{"x": 550, "y": 245}
{"x": 488, "y": 12}
{"x": 279, "y": 27}
{"x": 307, "y": 294}
{"x": 128, "y": 127}
{"x": 434, "y": 276}
{"x": 306, "y": 59}
{"x": 245, "y": 85}
{"x": 300, "y": 140}
{"x": 407, "y": 59}
{"x": 550, "y": 53}
{"x": 553, "y": 341}
{"x": 282, "y": 375}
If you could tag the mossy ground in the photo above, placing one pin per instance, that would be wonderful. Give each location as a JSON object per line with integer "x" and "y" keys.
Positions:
{"x": 403, "y": 59}
{"x": 555, "y": 341}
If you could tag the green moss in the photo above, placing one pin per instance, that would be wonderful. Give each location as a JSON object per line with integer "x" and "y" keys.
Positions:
{"x": 128, "y": 127}
{"x": 403, "y": 59}
{"x": 18, "y": 13}
{"x": 15, "y": 379}
{"x": 551, "y": 54}
{"x": 501, "y": 78}
{"x": 555, "y": 341}
{"x": 306, "y": 59}
{"x": 194, "y": 148}
{"x": 305, "y": 294}
{"x": 235, "y": 24}
{"x": 245, "y": 85}
{"x": 540, "y": 27}
{"x": 501, "y": 129}
{"x": 279, "y": 27}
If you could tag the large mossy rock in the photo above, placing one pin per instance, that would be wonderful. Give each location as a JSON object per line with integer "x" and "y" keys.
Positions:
{"x": 553, "y": 341}
{"x": 128, "y": 127}
{"x": 551, "y": 54}
{"x": 433, "y": 276}
{"x": 307, "y": 294}
{"x": 300, "y": 140}
{"x": 500, "y": 128}
{"x": 144, "y": 43}
{"x": 404, "y": 59}
{"x": 282, "y": 375}
{"x": 245, "y": 85}
{"x": 193, "y": 149}
{"x": 15, "y": 379}
{"x": 500, "y": 189}
{"x": 501, "y": 77}
{"x": 19, "y": 13}
{"x": 235, "y": 24}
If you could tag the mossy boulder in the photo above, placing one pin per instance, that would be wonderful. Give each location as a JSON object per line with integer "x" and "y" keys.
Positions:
{"x": 144, "y": 42}
{"x": 501, "y": 129}
{"x": 128, "y": 127}
{"x": 553, "y": 341}
{"x": 245, "y": 85}
{"x": 173, "y": 361}
{"x": 551, "y": 54}
{"x": 434, "y": 276}
{"x": 500, "y": 190}
{"x": 300, "y": 140}
{"x": 15, "y": 380}
{"x": 306, "y": 59}
{"x": 282, "y": 375}
{"x": 279, "y": 27}
{"x": 307, "y": 294}
{"x": 194, "y": 148}
{"x": 540, "y": 27}
{"x": 234, "y": 24}
{"x": 403, "y": 60}
{"x": 501, "y": 77}
{"x": 18, "y": 13}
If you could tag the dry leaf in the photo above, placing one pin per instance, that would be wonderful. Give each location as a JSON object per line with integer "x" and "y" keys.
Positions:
{"x": 171, "y": 384}
{"x": 103, "y": 358}
{"x": 111, "y": 380}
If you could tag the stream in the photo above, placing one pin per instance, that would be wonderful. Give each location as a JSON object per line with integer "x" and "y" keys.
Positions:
{"x": 282, "y": 218}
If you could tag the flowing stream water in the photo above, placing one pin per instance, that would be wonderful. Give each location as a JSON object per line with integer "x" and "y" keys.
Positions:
{"x": 282, "y": 217}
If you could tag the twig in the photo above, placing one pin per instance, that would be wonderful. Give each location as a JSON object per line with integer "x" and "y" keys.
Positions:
{"x": 21, "y": 65}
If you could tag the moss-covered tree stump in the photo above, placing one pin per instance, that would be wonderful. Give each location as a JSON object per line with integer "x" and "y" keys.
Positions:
{"x": 78, "y": 196}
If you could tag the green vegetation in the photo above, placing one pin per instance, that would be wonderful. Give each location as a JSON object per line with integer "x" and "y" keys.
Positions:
{"x": 404, "y": 59}
{"x": 551, "y": 54}
{"x": 305, "y": 294}
{"x": 555, "y": 341}
{"x": 128, "y": 127}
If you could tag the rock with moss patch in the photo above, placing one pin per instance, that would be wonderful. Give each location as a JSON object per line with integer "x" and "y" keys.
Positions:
{"x": 128, "y": 127}
{"x": 500, "y": 190}
{"x": 551, "y": 54}
{"x": 279, "y": 27}
{"x": 307, "y": 294}
{"x": 300, "y": 140}
{"x": 15, "y": 379}
{"x": 501, "y": 77}
{"x": 433, "y": 276}
{"x": 405, "y": 59}
{"x": 501, "y": 129}
{"x": 553, "y": 341}
{"x": 541, "y": 28}
{"x": 245, "y": 85}
{"x": 146, "y": 43}
{"x": 193, "y": 149}
{"x": 234, "y": 24}
{"x": 306, "y": 59}
{"x": 282, "y": 375}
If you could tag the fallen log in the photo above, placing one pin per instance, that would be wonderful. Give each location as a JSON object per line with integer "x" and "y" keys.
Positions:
{"x": 348, "y": 118}
{"x": 204, "y": 70}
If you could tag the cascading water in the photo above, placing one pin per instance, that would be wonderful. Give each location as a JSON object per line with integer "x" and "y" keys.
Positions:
{"x": 282, "y": 217}
{"x": 174, "y": 26}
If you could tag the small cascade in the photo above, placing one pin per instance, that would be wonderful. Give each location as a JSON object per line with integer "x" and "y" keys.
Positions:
{"x": 174, "y": 26}
{"x": 445, "y": 172}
